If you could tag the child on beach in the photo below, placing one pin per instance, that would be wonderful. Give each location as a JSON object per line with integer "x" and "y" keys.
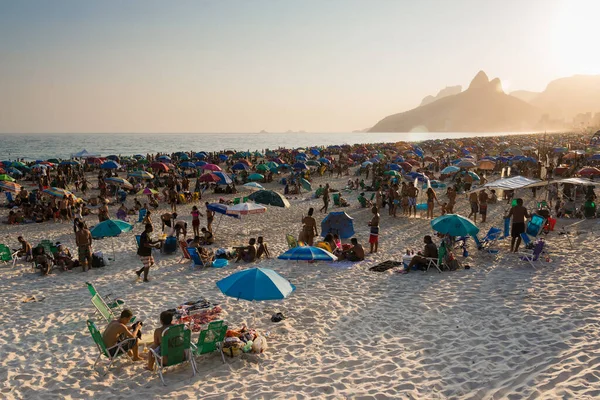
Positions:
{"x": 166, "y": 319}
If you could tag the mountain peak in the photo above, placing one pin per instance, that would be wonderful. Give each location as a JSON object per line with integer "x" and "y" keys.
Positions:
{"x": 480, "y": 81}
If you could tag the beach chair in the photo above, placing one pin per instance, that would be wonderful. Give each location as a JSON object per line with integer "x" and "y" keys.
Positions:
{"x": 438, "y": 262}
{"x": 6, "y": 255}
{"x": 291, "y": 241}
{"x": 527, "y": 241}
{"x": 113, "y": 303}
{"x": 211, "y": 339}
{"x": 535, "y": 225}
{"x": 336, "y": 199}
{"x": 236, "y": 200}
{"x": 490, "y": 240}
{"x": 101, "y": 308}
{"x": 170, "y": 245}
{"x": 535, "y": 256}
{"x": 245, "y": 200}
{"x": 119, "y": 348}
{"x": 9, "y": 197}
{"x": 196, "y": 259}
{"x": 142, "y": 214}
{"x": 138, "y": 238}
{"x": 176, "y": 346}
{"x": 185, "y": 254}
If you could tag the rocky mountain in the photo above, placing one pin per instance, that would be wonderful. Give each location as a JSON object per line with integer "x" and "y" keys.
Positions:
{"x": 447, "y": 91}
{"x": 483, "y": 107}
{"x": 566, "y": 97}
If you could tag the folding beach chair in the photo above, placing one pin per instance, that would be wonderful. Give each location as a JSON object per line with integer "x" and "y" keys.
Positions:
{"x": 142, "y": 214}
{"x": 118, "y": 349}
{"x": 138, "y": 239}
{"x": 7, "y": 255}
{"x": 336, "y": 199}
{"x": 535, "y": 256}
{"x": 185, "y": 254}
{"x": 196, "y": 259}
{"x": 211, "y": 339}
{"x": 236, "y": 200}
{"x": 101, "y": 308}
{"x": 176, "y": 346}
{"x": 113, "y": 303}
{"x": 535, "y": 225}
{"x": 489, "y": 243}
{"x": 291, "y": 241}
{"x": 438, "y": 262}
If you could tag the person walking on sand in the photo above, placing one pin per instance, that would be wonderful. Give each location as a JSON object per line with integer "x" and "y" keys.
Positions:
{"x": 325, "y": 198}
{"x": 309, "y": 228}
{"x": 413, "y": 192}
{"x": 431, "y": 197}
{"x": 374, "y": 231}
{"x": 518, "y": 214}
{"x": 83, "y": 239}
{"x": 145, "y": 252}
{"x": 196, "y": 214}
{"x": 210, "y": 217}
{"x": 474, "y": 200}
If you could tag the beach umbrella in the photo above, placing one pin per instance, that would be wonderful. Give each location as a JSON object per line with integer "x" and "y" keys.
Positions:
{"x": 262, "y": 168}
{"x": 119, "y": 181}
{"x": 244, "y": 161}
{"x": 391, "y": 173}
{"x": 211, "y": 167}
{"x": 56, "y": 192}
{"x": 221, "y": 209}
{"x": 253, "y": 185}
{"x": 338, "y": 222}
{"x": 141, "y": 174}
{"x": 223, "y": 157}
{"x": 560, "y": 149}
{"x": 324, "y": 160}
{"x": 269, "y": 197}
{"x": 315, "y": 152}
{"x": 256, "y": 284}
{"x": 14, "y": 171}
{"x": 187, "y": 164}
{"x": 240, "y": 167}
{"x": 6, "y": 178}
{"x": 466, "y": 164}
{"x": 450, "y": 170}
{"x": 256, "y": 177}
{"x": 183, "y": 157}
{"x": 299, "y": 165}
{"x": 200, "y": 163}
{"x": 454, "y": 225}
{"x": 405, "y": 166}
{"x": 53, "y": 160}
{"x": 394, "y": 167}
{"x": 272, "y": 164}
{"x": 139, "y": 156}
{"x": 165, "y": 159}
{"x": 224, "y": 179}
{"x": 10, "y": 186}
{"x": 69, "y": 162}
{"x": 110, "y": 165}
{"x": 113, "y": 157}
{"x": 307, "y": 253}
{"x": 159, "y": 166}
{"x": 209, "y": 177}
{"x": 366, "y": 163}
{"x": 487, "y": 165}
{"x": 595, "y": 157}
{"x": 18, "y": 164}
{"x": 588, "y": 171}
{"x": 430, "y": 159}
{"x": 313, "y": 163}
{"x": 200, "y": 155}
{"x": 110, "y": 228}
{"x": 306, "y": 184}
{"x": 143, "y": 161}
{"x": 246, "y": 209}
{"x": 147, "y": 191}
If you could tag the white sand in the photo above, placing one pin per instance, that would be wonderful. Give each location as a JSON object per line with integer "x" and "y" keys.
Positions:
{"x": 498, "y": 330}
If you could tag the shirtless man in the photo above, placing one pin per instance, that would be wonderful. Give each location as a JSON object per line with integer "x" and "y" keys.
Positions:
{"x": 103, "y": 212}
{"x": 374, "y": 231}
{"x": 83, "y": 239}
{"x": 62, "y": 207}
{"x": 518, "y": 214}
{"x": 309, "y": 227}
{"x": 451, "y": 193}
{"x": 262, "y": 248}
{"x": 117, "y": 331}
{"x": 412, "y": 192}
{"x": 26, "y": 249}
{"x": 325, "y": 198}
{"x": 210, "y": 216}
{"x": 354, "y": 253}
{"x": 248, "y": 253}
{"x": 474, "y": 201}
{"x": 167, "y": 219}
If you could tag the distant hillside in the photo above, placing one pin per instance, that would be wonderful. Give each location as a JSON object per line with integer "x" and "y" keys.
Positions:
{"x": 483, "y": 107}
{"x": 447, "y": 91}
{"x": 525, "y": 95}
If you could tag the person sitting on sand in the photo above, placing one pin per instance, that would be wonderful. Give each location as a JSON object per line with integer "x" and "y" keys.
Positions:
{"x": 195, "y": 242}
{"x": 43, "y": 261}
{"x": 207, "y": 237}
{"x": 354, "y": 253}
{"x": 166, "y": 319}
{"x": 117, "y": 331}
{"x": 248, "y": 253}
{"x": 262, "y": 248}
{"x": 64, "y": 259}
{"x": 26, "y": 250}
{"x": 430, "y": 251}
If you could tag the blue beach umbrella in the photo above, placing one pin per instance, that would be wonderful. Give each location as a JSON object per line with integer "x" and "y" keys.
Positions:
{"x": 256, "y": 284}
{"x": 450, "y": 170}
{"x": 223, "y": 157}
{"x": 454, "y": 225}
{"x": 110, "y": 165}
{"x": 394, "y": 167}
{"x": 300, "y": 165}
{"x": 200, "y": 163}
{"x": 338, "y": 222}
{"x": 307, "y": 253}
{"x": 200, "y": 155}
{"x": 187, "y": 164}
{"x": 165, "y": 159}
{"x": 240, "y": 167}
{"x": 225, "y": 179}
{"x": 324, "y": 160}
{"x": 110, "y": 228}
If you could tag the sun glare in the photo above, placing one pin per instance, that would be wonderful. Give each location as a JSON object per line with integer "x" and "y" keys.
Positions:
{"x": 575, "y": 40}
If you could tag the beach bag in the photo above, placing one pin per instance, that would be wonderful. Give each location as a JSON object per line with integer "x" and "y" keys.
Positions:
{"x": 97, "y": 261}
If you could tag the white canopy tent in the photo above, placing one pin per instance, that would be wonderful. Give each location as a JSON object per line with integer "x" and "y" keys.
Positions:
{"x": 84, "y": 154}
{"x": 513, "y": 183}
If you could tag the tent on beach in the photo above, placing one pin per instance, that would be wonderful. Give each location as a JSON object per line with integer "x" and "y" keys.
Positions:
{"x": 84, "y": 154}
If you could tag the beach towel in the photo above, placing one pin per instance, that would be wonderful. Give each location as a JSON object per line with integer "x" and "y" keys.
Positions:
{"x": 384, "y": 266}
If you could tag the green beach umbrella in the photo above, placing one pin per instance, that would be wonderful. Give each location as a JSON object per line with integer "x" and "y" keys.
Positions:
{"x": 314, "y": 163}
{"x": 391, "y": 173}
{"x": 262, "y": 168}
{"x": 256, "y": 177}
{"x": 4, "y": 177}
{"x": 306, "y": 184}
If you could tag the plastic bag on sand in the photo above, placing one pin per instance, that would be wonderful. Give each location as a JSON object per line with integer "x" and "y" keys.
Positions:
{"x": 259, "y": 345}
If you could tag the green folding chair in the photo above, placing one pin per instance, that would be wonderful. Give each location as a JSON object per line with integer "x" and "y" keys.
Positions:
{"x": 117, "y": 350}
{"x": 176, "y": 346}
{"x": 336, "y": 199}
{"x": 211, "y": 339}
{"x": 245, "y": 200}
{"x": 7, "y": 255}
{"x": 108, "y": 299}
{"x": 291, "y": 241}
{"x": 236, "y": 200}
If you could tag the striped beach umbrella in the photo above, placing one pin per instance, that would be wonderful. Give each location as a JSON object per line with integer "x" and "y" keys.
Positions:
{"x": 57, "y": 192}
{"x": 10, "y": 186}
{"x": 124, "y": 183}
{"x": 141, "y": 174}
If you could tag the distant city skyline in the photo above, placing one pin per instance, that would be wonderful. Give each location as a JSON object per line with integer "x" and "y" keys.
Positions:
{"x": 244, "y": 66}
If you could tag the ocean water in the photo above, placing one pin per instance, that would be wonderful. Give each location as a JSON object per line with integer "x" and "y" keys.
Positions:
{"x": 44, "y": 146}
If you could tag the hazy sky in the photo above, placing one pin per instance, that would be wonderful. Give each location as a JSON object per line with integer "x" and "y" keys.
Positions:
{"x": 243, "y": 66}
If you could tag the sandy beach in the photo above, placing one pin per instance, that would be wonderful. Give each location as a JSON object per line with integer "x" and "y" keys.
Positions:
{"x": 498, "y": 330}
